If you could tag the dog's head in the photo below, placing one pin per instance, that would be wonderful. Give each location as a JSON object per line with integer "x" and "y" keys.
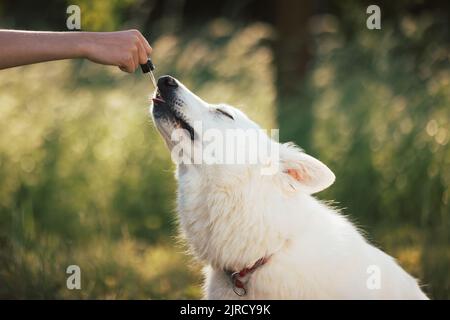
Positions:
{"x": 198, "y": 134}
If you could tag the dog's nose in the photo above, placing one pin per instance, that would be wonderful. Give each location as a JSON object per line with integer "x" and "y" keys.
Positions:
{"x": 167, "y": 82}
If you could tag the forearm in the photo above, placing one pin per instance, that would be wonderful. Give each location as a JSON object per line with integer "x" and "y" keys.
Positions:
{"x": 125, "y": 49}
{"x": 26, "y": 47}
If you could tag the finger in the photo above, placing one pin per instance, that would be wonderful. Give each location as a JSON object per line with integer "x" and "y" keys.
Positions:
{"x": 143, "y": 57}
{"x": 126, "y": 69}
{"x": 136, "y": 57}
{"x": 144, "y": 42}
{"x": 122, "y": 68}
{"x": 128, "y": 66}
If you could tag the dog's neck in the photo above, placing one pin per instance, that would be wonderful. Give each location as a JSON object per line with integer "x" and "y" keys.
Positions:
{"x": 223, "y": 223}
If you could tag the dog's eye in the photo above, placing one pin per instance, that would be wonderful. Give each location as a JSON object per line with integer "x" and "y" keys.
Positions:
{"x": 225, "y": 113}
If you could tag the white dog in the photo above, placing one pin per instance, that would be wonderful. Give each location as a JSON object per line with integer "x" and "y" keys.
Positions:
{"x": 263, "y": 236}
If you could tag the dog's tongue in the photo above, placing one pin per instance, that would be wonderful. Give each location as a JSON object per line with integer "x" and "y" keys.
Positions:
{"x": 155, "y": 99}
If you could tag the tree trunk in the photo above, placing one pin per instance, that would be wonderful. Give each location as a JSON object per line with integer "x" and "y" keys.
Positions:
{"x": 291, "y": 59}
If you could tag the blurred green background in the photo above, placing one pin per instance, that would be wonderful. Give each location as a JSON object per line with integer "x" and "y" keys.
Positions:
{"x": 86, "y": 180}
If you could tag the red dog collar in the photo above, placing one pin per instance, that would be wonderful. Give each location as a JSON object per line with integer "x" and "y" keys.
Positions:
{"x": 240, "y": 278}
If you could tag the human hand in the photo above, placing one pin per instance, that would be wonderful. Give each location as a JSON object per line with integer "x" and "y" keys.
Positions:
{"x": 125, "y": 49}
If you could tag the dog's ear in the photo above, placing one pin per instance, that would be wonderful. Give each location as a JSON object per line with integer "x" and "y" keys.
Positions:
{"x": 303, "y": 172}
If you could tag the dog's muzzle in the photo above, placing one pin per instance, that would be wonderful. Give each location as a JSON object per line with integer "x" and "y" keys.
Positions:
{"x": 167, "y": 107}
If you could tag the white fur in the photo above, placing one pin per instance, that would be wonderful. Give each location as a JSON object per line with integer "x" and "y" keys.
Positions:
{"x": 231, "y": 216}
